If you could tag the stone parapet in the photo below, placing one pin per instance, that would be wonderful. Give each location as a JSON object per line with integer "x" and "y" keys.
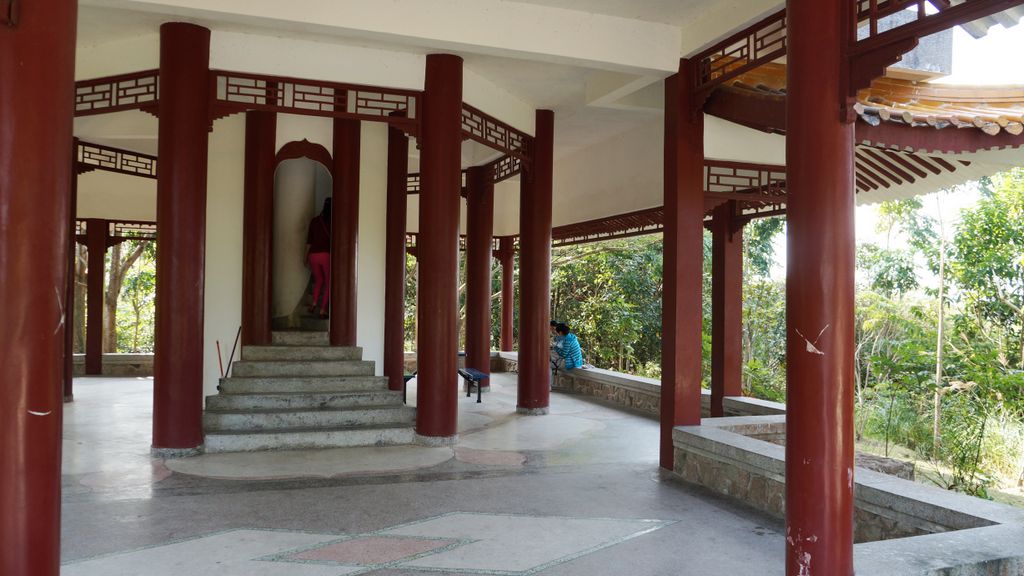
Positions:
{"x": 119, "y": 365}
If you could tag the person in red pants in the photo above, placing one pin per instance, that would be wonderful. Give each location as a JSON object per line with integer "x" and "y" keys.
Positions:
{"x": 318, "y": 257}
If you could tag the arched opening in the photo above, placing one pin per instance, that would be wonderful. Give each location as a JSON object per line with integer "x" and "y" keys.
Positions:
{"x": 302, "y": 181}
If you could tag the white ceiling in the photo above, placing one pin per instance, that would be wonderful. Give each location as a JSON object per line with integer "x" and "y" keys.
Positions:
{"x": 675, "y": 12}
{"x": 542, "y": 85}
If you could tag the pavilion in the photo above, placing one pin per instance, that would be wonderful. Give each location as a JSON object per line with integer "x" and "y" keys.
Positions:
{"x": 548, "y": 123}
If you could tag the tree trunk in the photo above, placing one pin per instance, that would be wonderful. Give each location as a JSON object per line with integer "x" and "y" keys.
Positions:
{"x": 937, "y": 398}
{"x": 81, "y": 287}
{"x": 118, "y": 270}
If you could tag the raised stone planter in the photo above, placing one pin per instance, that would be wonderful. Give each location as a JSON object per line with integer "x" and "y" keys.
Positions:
{"x": 901, "y": 527}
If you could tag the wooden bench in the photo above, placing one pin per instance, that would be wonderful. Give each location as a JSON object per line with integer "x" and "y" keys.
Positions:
{"x": 473, "y": 376}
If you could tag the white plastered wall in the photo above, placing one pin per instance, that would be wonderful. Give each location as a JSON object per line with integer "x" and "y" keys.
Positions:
{"x": 225, "y": 190}
{"x": 294, "y": 206}
{"x": 372, "y": 220}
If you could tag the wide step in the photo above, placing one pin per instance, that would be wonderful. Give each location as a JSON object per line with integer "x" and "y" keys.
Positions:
{"x": 303, "y": 400}
{"x": 300, "y": 419}
{"x": 253, "y": 440}
{"x": 301, "y": 393}
{"x": 301, "y": 352}
{"x": 309, "y": 385}
{"x": 274, "y": 368}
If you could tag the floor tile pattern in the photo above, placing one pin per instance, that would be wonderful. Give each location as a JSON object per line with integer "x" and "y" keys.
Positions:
{"x": 459, "y": 542}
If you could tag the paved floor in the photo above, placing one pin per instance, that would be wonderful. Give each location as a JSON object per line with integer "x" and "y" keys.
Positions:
{"x": 574, "y": 492}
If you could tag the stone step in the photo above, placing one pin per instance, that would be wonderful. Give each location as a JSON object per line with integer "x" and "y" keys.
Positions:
{"x": 303, "y": 401}
{"x": 299, "y": 439}
{"x": 216, "y": 420}
{"x": 274, "y": 368}
{"x": 314, "y": 323}
{"x": 299, "y": 352}
{"x": 308, "y": 385}
{"x": 300, "y": 338}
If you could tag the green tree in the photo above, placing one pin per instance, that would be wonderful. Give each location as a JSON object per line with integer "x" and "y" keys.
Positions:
{"x": 989, "y": 257}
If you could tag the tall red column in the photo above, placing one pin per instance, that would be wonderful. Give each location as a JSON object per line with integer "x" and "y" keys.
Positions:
{"x": 37, "y": 65}
{"x": 479, "y": 248}
{"x": 394, "y": 258}
{"x": 96, "y": 244}
{"x": 257, "y": 226}
{"x": 69, "y": 290}
{"x": 507, "y": 255}
{"x": 819, "y": 295}
{"x": 181, "y": 238}
{"x": 726, "y": 306}
{"x": 345, "y": 232}
{"x": 683, "y": 257}
{"x": 535, "y": 271}
{"x": 437, "y": 249}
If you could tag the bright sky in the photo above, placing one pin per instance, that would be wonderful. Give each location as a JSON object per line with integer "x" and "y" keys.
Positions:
{"x": 975, "y": 61}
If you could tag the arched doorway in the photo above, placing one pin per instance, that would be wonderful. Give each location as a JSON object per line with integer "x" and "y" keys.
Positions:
{"x": 302, "y": 180}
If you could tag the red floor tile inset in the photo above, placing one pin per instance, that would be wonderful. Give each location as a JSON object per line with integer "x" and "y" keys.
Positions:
{"x": 371, "y": 550}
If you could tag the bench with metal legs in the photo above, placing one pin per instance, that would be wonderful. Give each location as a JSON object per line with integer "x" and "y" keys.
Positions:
{"x": 473, "y": 376}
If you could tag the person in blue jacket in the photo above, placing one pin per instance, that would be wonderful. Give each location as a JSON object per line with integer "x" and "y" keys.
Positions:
{"x": 572, "y": 355}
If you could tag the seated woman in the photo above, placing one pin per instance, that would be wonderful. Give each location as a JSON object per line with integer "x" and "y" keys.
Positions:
{"x": 572, "y": 355}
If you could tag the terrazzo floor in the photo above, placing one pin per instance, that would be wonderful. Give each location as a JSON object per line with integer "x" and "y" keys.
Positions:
{"x": 575, "y": 492}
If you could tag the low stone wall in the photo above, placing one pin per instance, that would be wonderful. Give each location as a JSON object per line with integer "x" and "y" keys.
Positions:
{"x": 118, "y": 365}
{"x": 894, "y": 518}
{"x": 644, "y": 394}
{"x": 633, "y": 392}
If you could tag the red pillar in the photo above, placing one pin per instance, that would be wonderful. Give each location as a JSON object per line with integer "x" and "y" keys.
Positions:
{"x": 258, "y": 224}
{"x": 96, "y": 244}
{"x": 437, "y": 249}
{"x": 683, "y": 257}
{"x": 69, "y": 291}
{"x": 479, "y": 248}
{"x": 181, "y": 238}
{"x": 37, "y": 64}
{"x": 819, "y": 295}
{"x": 345, "y": 232}
{"x": 394, "y": 258}
{"x": 535, "y": 272}
{"x": 726, "y": 306}
{"x": 507, "y": 255}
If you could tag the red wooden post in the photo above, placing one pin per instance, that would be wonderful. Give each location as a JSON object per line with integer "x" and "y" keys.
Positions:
{"x": 257, "y": 225}
{"x": 181, "y": 238}
{"x": 394, "y": 259}
{"x": 345, "y": 231}
{"x": 535, "y": 272}
{"x": 726, "y": 307}
{"x": 96, "y": 244}
{"x": 507, "y": 255}
{"x": 479, "y": 246}
{"x": 37, "y": 65}
{"x": 683, "y": 257}
{"x": 69, "y": 291}
{"x": 437, "y": 249}
{"x": 819, "y": 295}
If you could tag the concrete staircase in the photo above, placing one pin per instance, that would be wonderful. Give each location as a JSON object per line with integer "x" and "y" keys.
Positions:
{"x": 302, "y": 393}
